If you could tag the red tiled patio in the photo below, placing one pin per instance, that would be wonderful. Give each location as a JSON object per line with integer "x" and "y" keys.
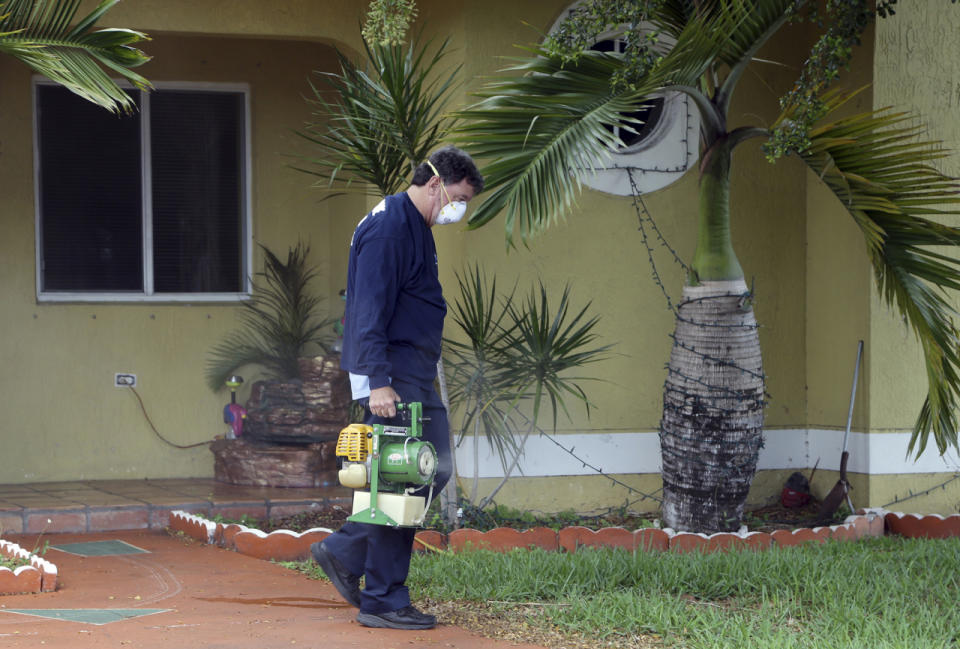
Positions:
{"x": 107, "y": 505}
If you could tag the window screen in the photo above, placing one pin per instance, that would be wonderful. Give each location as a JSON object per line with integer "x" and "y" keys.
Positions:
{"x": 93, "y": 212}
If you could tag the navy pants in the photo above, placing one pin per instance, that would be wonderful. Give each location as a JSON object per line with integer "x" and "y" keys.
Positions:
{"x": 381, "y": 553}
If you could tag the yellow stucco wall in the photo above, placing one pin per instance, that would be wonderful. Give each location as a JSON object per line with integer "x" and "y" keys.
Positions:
{"x": 63, "y": 418}
{"x": 915, "y": 69}
{"x": 598, "y": 250}
{"x": 328, "y": 21}
{"x": 803, "y": 255}
{"x": 839, "y": 278}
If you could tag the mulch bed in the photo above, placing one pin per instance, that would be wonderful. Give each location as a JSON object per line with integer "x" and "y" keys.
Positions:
{"x": 777, "y": 517}
{"x": 330, "y": 517}
{"x": 761, "y": 519}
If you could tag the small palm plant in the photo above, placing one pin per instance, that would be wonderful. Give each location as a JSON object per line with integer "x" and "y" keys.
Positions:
{"x": 518, "y": 357}
{"x": 281, "y": 323}
{"x": 480, "y": 380}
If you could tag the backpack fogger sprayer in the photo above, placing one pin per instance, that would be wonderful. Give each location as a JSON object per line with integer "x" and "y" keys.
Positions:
{"x": 394, "y": 462}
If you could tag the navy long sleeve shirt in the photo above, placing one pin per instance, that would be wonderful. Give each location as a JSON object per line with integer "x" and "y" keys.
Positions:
{"x": 394, "y": 312}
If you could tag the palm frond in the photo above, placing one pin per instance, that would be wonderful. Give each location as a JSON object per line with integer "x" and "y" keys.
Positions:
{"x": 673, "y": 16}
{"x": 746, "y": 25}
{"x": 540, "y": 130}
{"x": 39, "y": 34}
{"x": 547, "y": 343}
{"x": 481, "y": 385}
{"x": 883, "y": 174}
{"x": 353, "y": 154}
{"x": 415, "y": 97}
{"x": 519, "y": 351}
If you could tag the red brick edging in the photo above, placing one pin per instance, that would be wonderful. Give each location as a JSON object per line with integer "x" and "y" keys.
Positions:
{"x": 284, "y": 545}
{"x": 38, "y": 577}
{"x": 918, "y": 526}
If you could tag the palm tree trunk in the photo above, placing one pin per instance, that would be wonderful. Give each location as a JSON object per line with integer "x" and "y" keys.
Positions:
{"x": 711, "y": 432}
{"x": 712, "y": 425}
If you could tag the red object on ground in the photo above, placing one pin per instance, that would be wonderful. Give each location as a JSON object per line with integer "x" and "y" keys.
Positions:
{"x": 793, "y": 498}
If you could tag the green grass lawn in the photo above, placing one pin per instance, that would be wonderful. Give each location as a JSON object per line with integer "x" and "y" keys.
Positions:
{"x": 887, "y": 592}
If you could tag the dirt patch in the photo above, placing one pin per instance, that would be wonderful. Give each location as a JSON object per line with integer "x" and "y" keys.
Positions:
{"x": 522, "y": 623}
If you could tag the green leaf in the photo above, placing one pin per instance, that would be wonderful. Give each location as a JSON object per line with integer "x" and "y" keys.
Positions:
{"x": 883, "y": 174}
{"x": 38, "y": 33}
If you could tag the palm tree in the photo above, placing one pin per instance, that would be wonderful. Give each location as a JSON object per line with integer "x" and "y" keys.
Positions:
{"x": 42, "y": 34}
{"x": 547, "y": 121}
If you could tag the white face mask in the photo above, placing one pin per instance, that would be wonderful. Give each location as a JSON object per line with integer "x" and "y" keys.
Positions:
{"x": 453, "y": 211}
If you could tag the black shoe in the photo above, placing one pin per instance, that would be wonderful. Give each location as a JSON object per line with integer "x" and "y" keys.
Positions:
{"x": 346, "y": 584}
{"x": 405, "y": 618}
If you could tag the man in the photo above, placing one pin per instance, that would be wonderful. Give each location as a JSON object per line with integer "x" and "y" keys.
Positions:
{"x": 391, "y": 345}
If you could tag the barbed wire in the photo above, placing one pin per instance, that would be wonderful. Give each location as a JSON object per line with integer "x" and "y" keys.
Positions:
{"x": 587, "y": 465}
{"x": 943, "y": 485}
{"x": 642, "y": 215}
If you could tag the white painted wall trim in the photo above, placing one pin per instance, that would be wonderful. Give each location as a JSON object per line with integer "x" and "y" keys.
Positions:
{"x": 613, "y": 453}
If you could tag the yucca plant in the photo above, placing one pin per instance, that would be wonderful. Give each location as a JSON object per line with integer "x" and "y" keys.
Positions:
{"x": 375, "y": 123}
{"x": 42, "y": 34}
{"x": 545, "y": 122}
{"x": 281, "y": 322}
{"x": 518, "y": 359}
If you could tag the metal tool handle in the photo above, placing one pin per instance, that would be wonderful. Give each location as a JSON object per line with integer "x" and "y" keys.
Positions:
{"x": 853, "y": 394}
{"x": 844, "y": 456}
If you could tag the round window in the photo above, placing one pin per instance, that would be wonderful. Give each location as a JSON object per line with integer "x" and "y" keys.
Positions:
{"x": 662, "y": 148}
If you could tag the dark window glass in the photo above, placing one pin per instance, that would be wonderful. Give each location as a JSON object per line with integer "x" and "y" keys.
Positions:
{"x": 89, "y": 195}
{"x": 196, "y": 155}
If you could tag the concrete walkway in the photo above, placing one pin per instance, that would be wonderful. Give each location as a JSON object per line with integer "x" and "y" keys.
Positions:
{"x": 179, "y": 593}
{"x": 105, "y": 505}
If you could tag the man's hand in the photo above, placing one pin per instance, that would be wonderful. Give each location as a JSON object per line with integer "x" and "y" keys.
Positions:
{"x": 383, "y": 401}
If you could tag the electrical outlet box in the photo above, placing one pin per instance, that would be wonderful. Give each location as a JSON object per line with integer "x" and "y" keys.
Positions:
{"x": 125, "y": 380}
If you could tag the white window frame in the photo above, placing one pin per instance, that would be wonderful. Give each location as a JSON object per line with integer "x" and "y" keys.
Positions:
{"x": 148, "y": 295}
